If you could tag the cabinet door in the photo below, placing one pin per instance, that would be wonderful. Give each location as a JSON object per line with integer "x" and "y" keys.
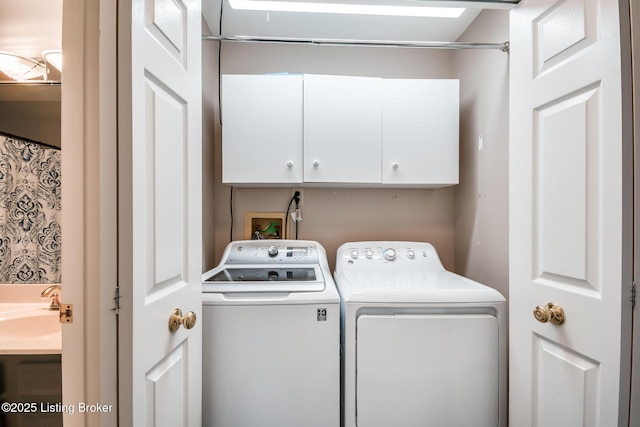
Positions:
{"x": 420, "y": 132}
{"x": 342, "y": 129}
{"x": 261, "y": 129}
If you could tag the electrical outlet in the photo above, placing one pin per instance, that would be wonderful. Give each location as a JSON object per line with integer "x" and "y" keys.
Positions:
{"x": 301, "y": 191}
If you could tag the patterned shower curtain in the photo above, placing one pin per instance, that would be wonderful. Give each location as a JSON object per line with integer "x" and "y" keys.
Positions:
{"x": 30, "y": 237}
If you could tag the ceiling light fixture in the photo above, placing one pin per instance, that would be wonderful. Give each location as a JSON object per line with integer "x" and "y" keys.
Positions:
{"x": 53, "y": 65}
{"x": 19, "y": 68}
{"x": 53, "y": 58}
{"x": 347, "y": 8}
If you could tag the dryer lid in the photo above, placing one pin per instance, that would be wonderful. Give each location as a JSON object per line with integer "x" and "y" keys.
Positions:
{"x": 426, "y": 287}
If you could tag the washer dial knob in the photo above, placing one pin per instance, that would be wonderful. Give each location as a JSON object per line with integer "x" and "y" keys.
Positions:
{"x": 272, "y": 251}
{"x": 389, "y": 254}
{"x": 354, "y": 254}
{"x": 368, "y": 253}
{"x": 411, "y": 254}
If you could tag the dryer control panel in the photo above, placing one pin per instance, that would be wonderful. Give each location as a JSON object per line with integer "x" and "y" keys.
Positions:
{"x": 403, "y": 254}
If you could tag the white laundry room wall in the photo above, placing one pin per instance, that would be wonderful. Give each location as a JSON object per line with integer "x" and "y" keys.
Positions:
{"x": 481, "y": 244}
{"x": 333, "y": 216}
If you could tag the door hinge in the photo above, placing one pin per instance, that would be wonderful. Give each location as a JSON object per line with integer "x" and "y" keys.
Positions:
{"x": 633, "y": 295}
{"x": 116, "y": 301}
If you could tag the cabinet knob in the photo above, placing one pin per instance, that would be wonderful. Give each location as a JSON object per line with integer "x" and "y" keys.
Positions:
{"x": 289, "y": 164}
{"x": 395, "y": 165}
{"x": 316, "y": 163}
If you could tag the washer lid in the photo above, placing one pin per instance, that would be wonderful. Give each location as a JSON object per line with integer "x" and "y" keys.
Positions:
{"x": 423, "y": 287}
{"x": 280, "y": 278}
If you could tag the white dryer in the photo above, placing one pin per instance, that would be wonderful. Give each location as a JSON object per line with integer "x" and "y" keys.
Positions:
{"x": 421, "y": 346}
{"x": 271, "y": 334}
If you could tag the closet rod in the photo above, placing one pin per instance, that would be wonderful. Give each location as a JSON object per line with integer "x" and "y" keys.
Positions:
{"x": 354, "y": 42}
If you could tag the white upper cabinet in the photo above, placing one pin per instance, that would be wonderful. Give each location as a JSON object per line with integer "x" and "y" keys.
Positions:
{"x": 420, "y": 132}
{"x": 342, "y": 129}
{"x": 262, "y": 129}
{"x": 339, "y": 130}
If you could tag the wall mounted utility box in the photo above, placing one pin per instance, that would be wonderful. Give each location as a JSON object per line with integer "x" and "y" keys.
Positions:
{"x": 339, "y": 131}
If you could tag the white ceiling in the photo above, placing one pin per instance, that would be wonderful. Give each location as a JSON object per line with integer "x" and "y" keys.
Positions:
{"x": 367, "y": 27}
{"x": 27, "y": 27}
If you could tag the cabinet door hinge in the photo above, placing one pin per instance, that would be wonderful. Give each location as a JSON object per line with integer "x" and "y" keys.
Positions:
{"x": 116, "y": 301}
{"x": 633, "y": 295}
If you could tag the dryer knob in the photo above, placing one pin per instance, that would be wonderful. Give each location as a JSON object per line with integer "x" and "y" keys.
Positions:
{"x": 389, "y": 254}
{"x": 272, "y": 251}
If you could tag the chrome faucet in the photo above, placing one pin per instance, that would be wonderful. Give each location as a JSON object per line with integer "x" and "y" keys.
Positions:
{"x": 55, "y": 296}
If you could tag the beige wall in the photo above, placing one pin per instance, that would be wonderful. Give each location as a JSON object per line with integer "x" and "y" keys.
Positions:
{"x": 467, "y": 223}
{"x": 481, "y": 200}
{"x": 333, "y": 216}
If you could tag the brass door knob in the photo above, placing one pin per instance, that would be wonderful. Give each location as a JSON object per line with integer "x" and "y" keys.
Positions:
{"x": 176, "y": 319}
{"x": 551, "y": 313}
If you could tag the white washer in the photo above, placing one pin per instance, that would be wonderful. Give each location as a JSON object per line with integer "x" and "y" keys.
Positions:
{"x": 421, "y": 346}
{"x": 271, "y": 335}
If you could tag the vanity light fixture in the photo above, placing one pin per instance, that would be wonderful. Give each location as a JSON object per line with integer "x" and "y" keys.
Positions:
{"x": 347, "y": 8}
{"x": 19, "y": 68}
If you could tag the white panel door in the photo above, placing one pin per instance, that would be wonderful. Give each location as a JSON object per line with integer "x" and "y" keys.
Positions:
{"x": 342, "y": 129}
{"x": 568, "y": 216}
{"x": 420, "y": 131}
{"x": 261, "y": 129}
{"x": 160, "y": 212}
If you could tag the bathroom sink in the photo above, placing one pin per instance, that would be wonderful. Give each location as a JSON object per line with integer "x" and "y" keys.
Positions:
{"x": 29, "y": 328}
{"x": 33, "y": 325}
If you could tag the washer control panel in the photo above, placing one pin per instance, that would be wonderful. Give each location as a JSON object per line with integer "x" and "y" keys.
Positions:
{"x": 271, "y": 252}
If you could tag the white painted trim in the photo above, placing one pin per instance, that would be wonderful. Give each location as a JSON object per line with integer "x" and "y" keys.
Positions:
{"x": 634, "y": 417}
{"x": 89, "y": 214}
{"x": 125, "y": 225}
{"x": 629, "y": 140}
